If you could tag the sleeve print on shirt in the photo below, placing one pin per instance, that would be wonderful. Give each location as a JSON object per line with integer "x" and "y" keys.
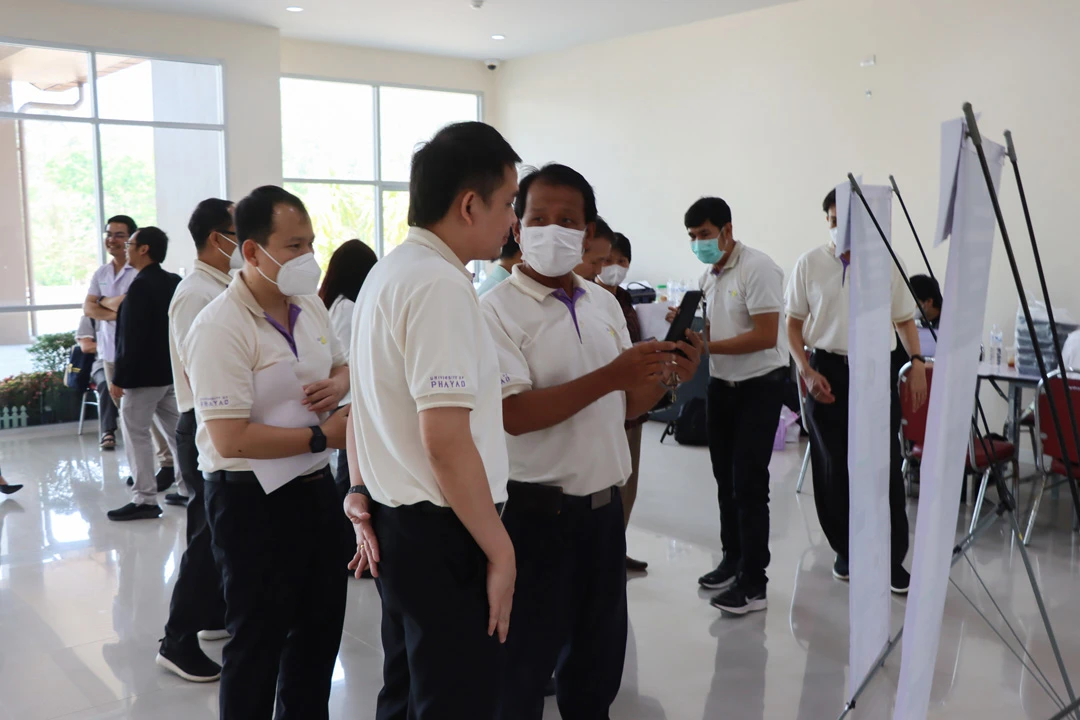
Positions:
{"x": 448, "y": 382}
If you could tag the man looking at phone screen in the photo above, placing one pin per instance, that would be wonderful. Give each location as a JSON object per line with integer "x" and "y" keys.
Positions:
{"x": 748, "y": 363}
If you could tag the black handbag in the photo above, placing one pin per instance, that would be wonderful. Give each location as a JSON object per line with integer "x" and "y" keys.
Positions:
{"x": 640, "y": 293}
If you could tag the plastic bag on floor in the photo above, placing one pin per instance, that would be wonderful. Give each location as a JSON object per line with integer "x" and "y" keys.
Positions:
{"x": 787, "y": 419}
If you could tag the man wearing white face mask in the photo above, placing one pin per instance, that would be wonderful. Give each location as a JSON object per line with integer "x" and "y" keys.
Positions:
{"x": 748, "y": 364}
{"x": 281, "y": 554}
{"x": 570, "y": 380}
{"x": 198, "y": 605}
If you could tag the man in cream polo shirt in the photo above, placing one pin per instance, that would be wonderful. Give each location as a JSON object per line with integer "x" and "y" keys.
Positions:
{"x": 280, "y": 554}
{"x": 197, "y": 609}
{"x": 748, "y": 365}
{"x": 817, "y": 318}
{"x": 570, "y": 380}
{"x": 427, "y": 456}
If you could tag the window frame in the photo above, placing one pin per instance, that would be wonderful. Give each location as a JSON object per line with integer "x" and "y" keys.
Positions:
{"x": 380, "y": 186}
{"x": 96, "y": 121}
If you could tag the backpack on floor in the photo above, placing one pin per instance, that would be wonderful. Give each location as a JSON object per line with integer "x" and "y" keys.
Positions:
{"x": 691, "y": 426}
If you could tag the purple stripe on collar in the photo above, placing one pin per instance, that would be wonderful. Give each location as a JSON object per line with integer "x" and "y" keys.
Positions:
{"x": 294, "y": 313}
{"x": 845, "y": 263}
{"x": 571, "y": 304}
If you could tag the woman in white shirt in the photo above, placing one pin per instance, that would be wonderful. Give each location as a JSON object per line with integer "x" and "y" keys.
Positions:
{"x": 349, "y": 267}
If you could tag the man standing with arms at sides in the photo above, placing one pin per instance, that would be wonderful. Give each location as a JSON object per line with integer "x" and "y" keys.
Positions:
{"x": 107, "y": 290}
{"x": 748, "y": 364}
{"x": 280, "y": 553}
{"x": 197, "y": 609}
{"x": 817, "y": 318}
{"x": 570, "y": 380}
{"x": 427, "y": 453}
{"x": 143, "y": 372}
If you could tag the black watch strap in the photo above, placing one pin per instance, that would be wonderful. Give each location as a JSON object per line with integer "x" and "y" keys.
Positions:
{"x": 359, "y": 490}
{"x": 920, "y": 358}
{"x": 318, "y": 440}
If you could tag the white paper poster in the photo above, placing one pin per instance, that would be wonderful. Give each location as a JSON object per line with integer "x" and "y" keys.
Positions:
{"x": 971, "y": 223}
{"x": 869, "y": 338}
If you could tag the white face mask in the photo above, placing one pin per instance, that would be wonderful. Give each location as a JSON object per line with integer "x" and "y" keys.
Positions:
{"x": 552, "y": 250}
{"x": 613, "y": 275}
{"x": 832, "y": 234}
{"x": 299, "y": 276}
{"x": 236, "y": 260}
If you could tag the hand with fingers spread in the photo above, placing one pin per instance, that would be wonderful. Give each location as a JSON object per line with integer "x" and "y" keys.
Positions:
{"x": 818, "y": 387}
{"x": 643, "y": 364}
{"x": 501, "y": 576}
{"x": 357, "y": 509}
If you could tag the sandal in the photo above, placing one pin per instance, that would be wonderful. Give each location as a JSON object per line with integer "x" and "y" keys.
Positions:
{"x": 108, "y": 441}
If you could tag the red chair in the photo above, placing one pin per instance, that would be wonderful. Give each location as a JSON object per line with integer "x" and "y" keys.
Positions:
{"x": 984, "y": 457}
{"x": 1047, "y": 445}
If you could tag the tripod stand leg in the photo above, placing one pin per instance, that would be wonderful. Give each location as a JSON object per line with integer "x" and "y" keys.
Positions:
{"x": 979, "y": 500}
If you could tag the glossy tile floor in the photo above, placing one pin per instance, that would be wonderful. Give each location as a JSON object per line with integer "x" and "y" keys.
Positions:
{"x": 83, "y": 602}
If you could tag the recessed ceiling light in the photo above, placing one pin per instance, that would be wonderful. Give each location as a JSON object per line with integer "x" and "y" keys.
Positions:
{"x": 498, "y": 37}
{"x": 294, "y": 8}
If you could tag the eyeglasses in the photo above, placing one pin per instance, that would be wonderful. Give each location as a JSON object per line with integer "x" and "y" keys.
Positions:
{"x": 115, "y": 236}
{"x": 130, "y": 243}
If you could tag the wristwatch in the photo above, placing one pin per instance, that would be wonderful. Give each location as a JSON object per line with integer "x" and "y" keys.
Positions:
{"x": 359, "y": 490}
{"x": 920, "y": 358}
{"x": 318, "y": 440}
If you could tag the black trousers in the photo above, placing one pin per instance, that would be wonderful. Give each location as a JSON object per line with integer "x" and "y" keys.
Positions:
{"x": 828, "y": 428}
{"x": 742, "y": 422}
{"x": 198, "y": 600}
{"x": 569, "y": 613}
{"x": 281, "y": 558}
{"x": 439, "y": 663}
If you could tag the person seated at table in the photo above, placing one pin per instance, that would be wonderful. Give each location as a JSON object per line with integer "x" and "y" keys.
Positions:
{"x": 928, "y": 293}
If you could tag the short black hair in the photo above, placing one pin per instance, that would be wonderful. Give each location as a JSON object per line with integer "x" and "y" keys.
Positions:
{"x": 556, "y": 175}
{"x": 510, "y": 249}
{"x": 131, "y": 226}
{"x": 348, "y": 269}
{"x": 708, "y": 209}
{"x": 622, "y": 246}
{"x": 830, "y": 201}
{"x": 603, "y": 231}
{"x": 255, "y": 213}
{"x": 463, "y": 156}
{"x": 211, "y": 215}
{"x": 925, "y": 288}
{"x": 156, "y": 240}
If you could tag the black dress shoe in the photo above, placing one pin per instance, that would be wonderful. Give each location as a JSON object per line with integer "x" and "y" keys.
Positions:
{"x": 9, "y": 489}
{"x": 166, "y": 476}
{"x": 176, "y": 499}
{"x": 636, "y": 565}
{"x": 191, "y": 663}
{"x": 132, "y": 511}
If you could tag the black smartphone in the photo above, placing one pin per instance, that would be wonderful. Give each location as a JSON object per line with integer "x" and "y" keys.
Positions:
{"x": 684, "y": 320}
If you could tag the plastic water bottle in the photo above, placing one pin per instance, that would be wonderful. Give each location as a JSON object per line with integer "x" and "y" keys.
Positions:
{"x": 997, "y": 346}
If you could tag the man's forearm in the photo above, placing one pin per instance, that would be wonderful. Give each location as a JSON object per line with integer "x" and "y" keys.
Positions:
{"x": 535, "y": 410}
{"x": 253, "y": 441}
{"x": 909, "y": 337}
{"x": 749, "y": 342}
{"x": 340, "y": 375}
{"x": 113, "y": 303}
{"x": 92, "y": 310}
{"x": 351, "y": 454}
{"x": 644, "y": 399}
{"x": 796, "y": 344}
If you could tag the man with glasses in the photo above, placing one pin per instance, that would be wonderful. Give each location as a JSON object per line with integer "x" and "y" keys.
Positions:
{"x": 143, "y": 370}
{"x": 108, "y": 287}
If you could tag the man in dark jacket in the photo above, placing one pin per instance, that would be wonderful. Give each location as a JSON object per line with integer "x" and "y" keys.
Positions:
{"x": 143, "y": 376}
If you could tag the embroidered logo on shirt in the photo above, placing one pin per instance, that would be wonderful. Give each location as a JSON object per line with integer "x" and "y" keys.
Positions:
{"x": 734, "y": 293}
{"x": 611, "y": 332}
{"x": 448, "y": 382}
{"x": 322, "y": 339}
{"x": 504, "y": 379}
{"x": 209, "y": 403}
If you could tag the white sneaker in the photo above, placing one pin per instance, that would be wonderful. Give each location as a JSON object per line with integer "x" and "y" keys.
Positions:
{"x": 211, "y": 635}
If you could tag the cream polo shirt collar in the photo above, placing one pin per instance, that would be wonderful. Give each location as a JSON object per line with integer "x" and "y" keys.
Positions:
{"x": 429, "y": 239}
{"x": 732, "y": 260}
{"x": 223, "y": 278}
{"x": 540, "y": 292}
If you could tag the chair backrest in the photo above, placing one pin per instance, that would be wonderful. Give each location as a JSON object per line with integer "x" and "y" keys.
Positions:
{"x": 912, "y": 421}
{"x": 1044, "y": 419}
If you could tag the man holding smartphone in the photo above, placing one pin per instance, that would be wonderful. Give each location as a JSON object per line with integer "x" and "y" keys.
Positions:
{"x": 744, "y": 296}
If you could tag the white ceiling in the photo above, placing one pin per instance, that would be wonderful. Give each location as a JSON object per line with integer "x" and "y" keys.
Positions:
{"x": 453, "y": 27}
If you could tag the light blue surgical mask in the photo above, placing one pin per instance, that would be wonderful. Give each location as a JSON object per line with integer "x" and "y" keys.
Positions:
{"x": 708, "y": 251}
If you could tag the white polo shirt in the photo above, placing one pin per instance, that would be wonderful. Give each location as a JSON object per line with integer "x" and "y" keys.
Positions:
{"x": 231, "y": 340}
{"x": 194, "y": 293}
{"x": 748, "y": 284}
{"x": 419, "y": 342}
{"x": 544, "y": 339}
{"x": 107, "y": 282}
{"x": 341, "y": 312}
{"x": 817, "y": 294}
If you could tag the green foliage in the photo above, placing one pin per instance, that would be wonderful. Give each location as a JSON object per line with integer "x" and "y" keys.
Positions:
{"x": 50, "y": 353}
{"x": 338, "y": 213}
{"x": 27, "y": 389}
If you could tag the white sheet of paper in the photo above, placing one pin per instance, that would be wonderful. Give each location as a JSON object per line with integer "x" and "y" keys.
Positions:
{"x": 845, "y": 199}
{"x": 948, "y": 426}
{"x": 278, "y": 401}
{"x": 952, "y": 139}
{"x": 869, "y": 337}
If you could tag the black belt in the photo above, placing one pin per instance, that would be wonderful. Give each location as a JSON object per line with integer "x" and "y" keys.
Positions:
{"x": 831, "y": 356}
{"x": 248, "y": 477}
{"x": 777, "y": 375}
{"x": 551, "y": 500}
{"x": 426, "y": 507}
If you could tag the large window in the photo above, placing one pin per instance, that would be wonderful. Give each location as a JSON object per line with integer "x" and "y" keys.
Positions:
{"x": 84, "y": 136}
{"x": 346, "y": 153}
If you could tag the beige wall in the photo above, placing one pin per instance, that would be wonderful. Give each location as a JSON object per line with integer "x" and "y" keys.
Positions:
{"x": 767, "y": 110}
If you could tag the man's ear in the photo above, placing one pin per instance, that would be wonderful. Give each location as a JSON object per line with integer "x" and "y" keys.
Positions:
{"x": 467, "y": 206}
